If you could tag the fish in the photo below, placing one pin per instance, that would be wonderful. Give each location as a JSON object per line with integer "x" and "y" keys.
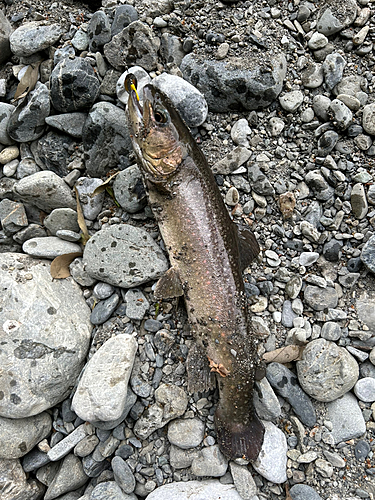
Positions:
{"x": 208, "y": 253}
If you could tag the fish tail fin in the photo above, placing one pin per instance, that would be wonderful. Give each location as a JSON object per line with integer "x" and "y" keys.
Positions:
{"x": 239, "y": 440}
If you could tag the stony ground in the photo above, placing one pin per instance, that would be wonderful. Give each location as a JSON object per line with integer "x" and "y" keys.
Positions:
{"x": 298, "y": 170}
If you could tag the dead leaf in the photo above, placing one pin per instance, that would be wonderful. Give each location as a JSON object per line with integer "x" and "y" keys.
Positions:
{"x": 28, "y": 81}
{"x": 60, "y": 265}
{"x": 284, "y": 354}
{"x": 81, "y": 220}
{"x": 104, "y": 186}
{"x": 288, "y": 496}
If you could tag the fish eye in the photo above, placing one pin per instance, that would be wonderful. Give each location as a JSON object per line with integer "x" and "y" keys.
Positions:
{"x": 130, "y": 81}
{"x": 161, "y": 116}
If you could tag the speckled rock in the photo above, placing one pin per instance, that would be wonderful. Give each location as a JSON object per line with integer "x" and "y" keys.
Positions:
{"x": 195, "y": 490}
{"x": 33, "y": 37}
{"x": 13, "y": 483}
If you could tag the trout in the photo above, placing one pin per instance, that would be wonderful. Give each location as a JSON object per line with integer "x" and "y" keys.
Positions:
{"x": 208, "y": 253}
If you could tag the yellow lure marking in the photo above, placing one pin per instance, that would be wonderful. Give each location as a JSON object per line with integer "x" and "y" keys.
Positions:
{"x": 132, "y": 86}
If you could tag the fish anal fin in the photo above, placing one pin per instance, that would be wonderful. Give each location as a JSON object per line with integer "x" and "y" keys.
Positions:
{"x": 169, "y": 285}
{"x": 239, "y": 440}
{"x": 200, "y": 377}
{"x": 248, "y": 246}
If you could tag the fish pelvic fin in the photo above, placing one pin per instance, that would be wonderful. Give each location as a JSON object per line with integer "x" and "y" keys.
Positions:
{"x": 169, "y": 285}
{"x": 239, "y": 440}
{"x": 200, "y": 377}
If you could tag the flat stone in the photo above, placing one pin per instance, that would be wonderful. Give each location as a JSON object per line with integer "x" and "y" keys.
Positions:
{"x": 91, "y": 204}
{"x": 181, "y": 459}
{"x": 249, "y": 83}
{"x": 326, "y": 370}
{"x": 49, "y": 247}
{"x": 101, "y": 392}
{"x": 12, "y": 216}
{"x": 61, "y": 218}
{"x": 243, "y": 481}
{"x": 19, "y": 436}
{"x": 303, "y": 492}
{"x": 136, "y": 304}
{"x": 320, "y": 298}
{"x": 232, "y": 161}
{"x": 129, "y": 190}
{"x": 33, "y": 37}
{"x": 364, "y": 389}
{"x": 195, "y": 490}
{"x": 266, "y": 403}
{"x": 186, "y": 433}
{"x": 346, "y": 417}
{"x": 63, "y": 447}
{"x": 69, "y": 477}
{"x": 104, "y": 309}
{"x": 271, "y": 462}
{"x": 42, "y": 354}
{"x": 358, "y": 201}
{"x": 131, "y": 257}
{"x": 285, "y": 383}
{"x": 209, "y": 462}
{"x": 69, "y": 123}
{"x": 6, "y": 111}
{"x": 46, "y": 190}
{"x": 123, "y": 474}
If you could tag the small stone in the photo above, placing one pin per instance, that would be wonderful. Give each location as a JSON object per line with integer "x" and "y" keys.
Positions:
{"x": 265, "y": 401}
{"x": 368, "y": 254}
{"x": 364, "y": 389}
{"x": 333, "y": 67}
{"x": 307, "y": 259}
{"x": 63, "y": 447}
{"x": 271, "y": 462}
{"x": 368, "y": 118}
{"x": 49, "y": 247}
{"x": 303, "y": 492}
{"x": 186, "y": 433}
{"x": 222, "y": 51}
{"x": 361, "y": 450}
{"x": 123, "y": 475}
{"x": 287, "y": 203}
{"x": 291, "y": 101}
{"x": 9, "y": 154}
{"x": 346, "y": 417}
{"x": 104, "y": 309}
{"x": 358, "y": 201}
{"x": 129, "y": 191}
{"x": 317, "y": 41}
{"x": 243, "y": 481}
{"x": 232, "y": 161}
{"x": 209, "y": 462}
{"x": 331, "y": 331}
{"x": 320, "y": 298}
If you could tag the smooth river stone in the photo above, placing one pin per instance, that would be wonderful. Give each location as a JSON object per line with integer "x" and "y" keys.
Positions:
{"x": 326, "y": 371}
{"x": 44, "y": 336}
{"x": 101, "y": 392}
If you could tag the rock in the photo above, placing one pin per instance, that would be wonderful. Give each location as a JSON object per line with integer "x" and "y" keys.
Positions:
{"x": 171, "y": 48}
{"x": 307, "y": 259}
{"x": 243, "y": 481}
{"x": 27, "y": 122}
{"x": 259, "y": 182}
{"x": 136, "y": 304}
{"x": 330, "y": 331}
{"x": 69, "y": 477}
{"x": 98, "y": 30}
{"x": 31, "y": 231}
{"x": 171, "y": 402}
{"x": 333, "y": 68}
{"x": 288, "y": 315}
{"x": 321, "y": 105}
{"x": 291, "y": 101}
{"x": 209, "y": 462}
{"x": 346, "y": 418}
{"x": 123, "y": 474}
{"x": 364, "y": 389}
{"x": 312, "y": 76}
{"x": 233, "y": 84}
{"x": 52, "y": 152}
{"x": 5, "y": 31}
{"x": 195, "y": 490}
{"x": 49, "y": 247}
{"x": 188, "y": 101}
{"x": 319, "y": 185}
{"x": 104, "y": 309}
{"x": 368, "y": 254}
{"x": 91, "y": 204}
{"x": 74, "y": 85}
{"x": 293, "y": 287}
{"x": 131, "y": 257}
{"x": 332, "y": 250}
{"x": 276, "y": 125}
{"x": 358, "y": 201}
{"x": 285, "y": 383}
{"x": 19, "y": 436}
{"x": 63, "y": 447}
{"x": 13, "y": 484}
{"x": 46, "y": 190}
{"x": 320, "y": 298}
{"x": 271, "y": 462}
{"x": 101, "y": 392}
{"x": 27, "y": 167}
{"x": 129, "y": 190}
{"x": 6, "y": 111}
{"x": 334, "y": 16}
{"x": 12, "y": 216}
{"x": 61, "y": 218}
{"x": 124, "y": 15}
{"x": 317, "y": 41}
{"x": 340, "y": 114}
{"x": 181, "y": 459}
{"x": 33, "y": 37}
{"x": 130, "y": 400}
{"x": 237, "y": 157}
{"x": 186, "y": 433}
{"x": 266, "y": 404}
{"x": 105, "y": 138}
{"x": 134, "y": 45}
{"x": 69, "y": 123}
{"x": 108, "y": 490}
{"x": 37, "y": 340}
{"x": 80, "y": 41}
{"x": 240, "y": 131}
{"x": 368, "y": 118}
{"x": 303, "y": 492}
{"x": 9, "y": 154}
{"x": 326, "y": 371}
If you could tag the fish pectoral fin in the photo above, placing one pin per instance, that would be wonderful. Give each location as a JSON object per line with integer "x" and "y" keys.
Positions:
{"x": 169, "y": 285}
{"x": 200, "y": 377}
{"x": 239, "y": 440}
{"x": 248, "y": 246}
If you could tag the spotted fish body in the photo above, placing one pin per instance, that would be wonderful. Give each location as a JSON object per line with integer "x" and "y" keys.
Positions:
{"x": 204, "y": 250}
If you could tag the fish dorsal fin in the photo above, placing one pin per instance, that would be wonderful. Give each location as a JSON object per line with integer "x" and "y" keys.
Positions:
{"x": 248, "y": 246}
{"x": 169, "y": 285}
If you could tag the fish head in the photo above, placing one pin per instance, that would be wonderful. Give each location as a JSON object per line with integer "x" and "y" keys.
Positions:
{"x": 155, "y": 132}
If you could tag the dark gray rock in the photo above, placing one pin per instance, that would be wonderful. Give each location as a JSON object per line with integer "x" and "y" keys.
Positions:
{"x": 5, "y": 31}
{"x": 326, "y": 371}
{"x": 303, "y": 492}
{"x": 27, "y": 122}
{"x": 327, "y": 142}
{"x": 332, "y": 250}
{"x": 129, "y": 190}
{"x": 41, "y": 354}
{"x": 259, "y": 182}
{"x": 104, "y": 309}
{"x": 98, "y": 30}
{"x": 33, "y": 37}
{"x": 124, "y": 15}
{"x": 52, "y": 152}
{"x": 320, "y": 298}
{"x": 69, "y": 477}
{"x": 105, "y": 138}
{"x": 34, "y": 460}
{"x": 335, "y": 16}
{"x": 6, "y": 111}
{"x": 69, "y": 123}
{"x": 246, "y": 83}
{"x": 123, "y": 474}
{"x": 62, "y": 53}
{"x": 171, "y": 49}
{"x": 333, "y": 68}
{"x": 134, "y": 45}
{"x": 12, "y": 216}
{"x": 74, "y": 85}
{"x": 93, "y": 468}
{"x": 285, "y": 383}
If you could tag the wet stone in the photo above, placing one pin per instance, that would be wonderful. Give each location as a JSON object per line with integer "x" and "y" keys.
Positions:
{"x": 326, "y": 370}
